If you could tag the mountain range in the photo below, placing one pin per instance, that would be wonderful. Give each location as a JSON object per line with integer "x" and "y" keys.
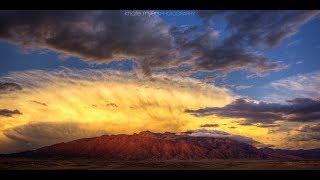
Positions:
{"x": 163, "y": 146}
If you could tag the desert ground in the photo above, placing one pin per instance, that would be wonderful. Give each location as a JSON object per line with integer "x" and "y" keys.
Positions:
{"x": 98, "y": 164}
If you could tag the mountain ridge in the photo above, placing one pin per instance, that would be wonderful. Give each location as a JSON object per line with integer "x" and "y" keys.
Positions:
{"x": 147, "y": 145}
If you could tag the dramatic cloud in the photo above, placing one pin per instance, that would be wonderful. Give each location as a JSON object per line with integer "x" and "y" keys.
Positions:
{"x": 104, "y": 36}
{"x": 246, "y": 33}
{"x": 249, "y": 31}
{"x": 9, "y": 113}
{"x": 298, "y": 86}
{"x": 204, "y": 53}
{"x": 65, "y": 104}
{"x": 298, "y": 110}
{"x": 101, "y": 99}
{"x": 94, "y": 36}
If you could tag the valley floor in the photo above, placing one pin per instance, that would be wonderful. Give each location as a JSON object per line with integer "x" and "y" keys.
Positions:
{"x": 83, "y": 164}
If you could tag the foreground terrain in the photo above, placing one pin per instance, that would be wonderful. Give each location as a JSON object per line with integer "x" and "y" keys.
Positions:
{"x": 92, "y": 164}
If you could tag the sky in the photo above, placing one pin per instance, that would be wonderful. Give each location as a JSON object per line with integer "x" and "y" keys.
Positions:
{"x": 67, "y": 75}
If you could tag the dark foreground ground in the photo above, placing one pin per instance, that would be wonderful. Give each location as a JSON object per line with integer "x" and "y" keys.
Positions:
{"x": 83, "y": 164}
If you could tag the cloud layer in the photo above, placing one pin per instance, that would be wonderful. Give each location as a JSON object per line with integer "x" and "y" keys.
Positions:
{"x": 94, "y": 36}
{"x": 249, "y": 32}
{"x": 104, "y": 36}
{"x": 298, "y": 110}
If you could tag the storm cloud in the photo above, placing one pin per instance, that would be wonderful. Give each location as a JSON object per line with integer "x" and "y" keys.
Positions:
{"x": 105, "y": 36}
{"x": 94, "y": 36}
{"x": 250, "y": 31}
{"x": 297, "y": 110}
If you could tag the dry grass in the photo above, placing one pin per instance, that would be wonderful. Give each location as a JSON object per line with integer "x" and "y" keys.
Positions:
{"x": 84, "y": 164}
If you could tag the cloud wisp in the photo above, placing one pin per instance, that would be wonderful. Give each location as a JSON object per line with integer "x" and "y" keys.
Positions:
{"x": 298, "y": 86}
{"x": 9, "y": 113}
{"x": 209, "y": 125}
{"x": 9, "y": 87}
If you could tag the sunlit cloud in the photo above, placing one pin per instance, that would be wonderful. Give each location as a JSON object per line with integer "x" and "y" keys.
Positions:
{"x": 103, "y": 101}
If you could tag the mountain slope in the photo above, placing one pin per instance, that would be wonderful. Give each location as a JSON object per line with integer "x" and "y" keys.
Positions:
{"x": 156, "y": 146}
{"x": 148, "y": 145}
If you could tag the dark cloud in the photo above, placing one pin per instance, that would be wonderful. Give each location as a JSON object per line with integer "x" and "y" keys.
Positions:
{"x": 228, "y": 58}
{"x": 210, "y": 125}
{"x": 200, "y": 46}
{"x": 9, "y": 87}
{"x": 299, "y": 110}
{"x": 262, "y": 28}
{"x": 249, "y": 32}
{"x": 9, "y": 113}
{"x": 94, "y": 36}
{"x": 105, "y": 36}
